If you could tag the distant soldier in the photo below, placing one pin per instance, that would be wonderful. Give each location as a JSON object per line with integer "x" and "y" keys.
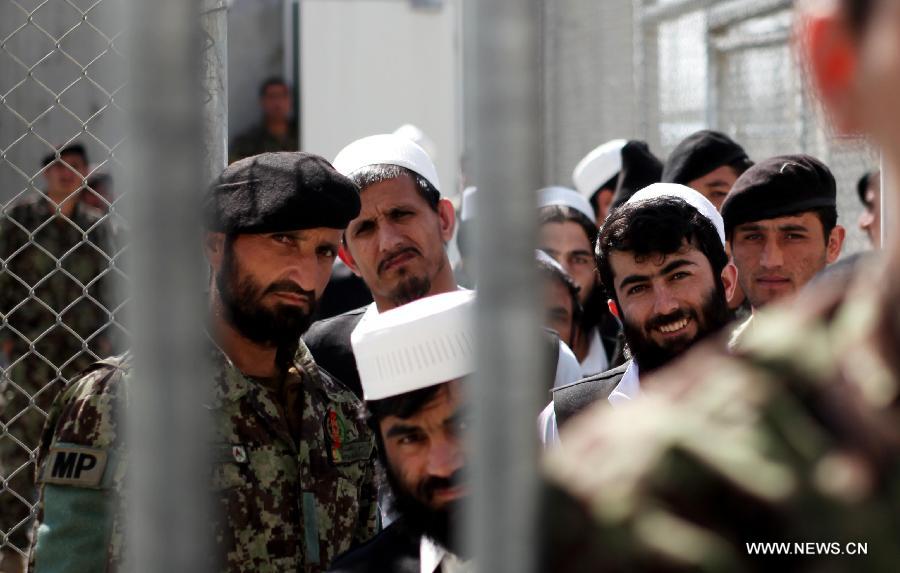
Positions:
{"x": 276, "y": 130}
{"x": 57, "y": 245}
{"x": 293, "y": 462}
{"x": 784, "y": 455}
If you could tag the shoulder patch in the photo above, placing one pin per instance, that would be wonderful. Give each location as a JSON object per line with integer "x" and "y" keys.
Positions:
{"x": 76, "y": 466}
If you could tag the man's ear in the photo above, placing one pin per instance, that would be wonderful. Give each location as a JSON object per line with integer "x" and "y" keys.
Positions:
{"x": 447, "y": 216}
{"x": 614, "y": 308}
{"x": 214, "y": 249}
{"x": 830, "y": 49}
{"x": 729, "y": 280}
{"x": 344, "y": 255}
{"x": 835, "y": 243}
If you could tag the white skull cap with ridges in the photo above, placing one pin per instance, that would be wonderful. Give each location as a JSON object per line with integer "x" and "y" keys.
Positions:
{"x": 598, "y": 167}
{"x": 386, "y": 149}
{"x": 565, "y": 197}
{"x": 692, "y": 197}
{"x": 426, "y": 342}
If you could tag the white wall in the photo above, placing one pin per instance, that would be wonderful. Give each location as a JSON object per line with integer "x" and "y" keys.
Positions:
{"x": 369, "y": 66}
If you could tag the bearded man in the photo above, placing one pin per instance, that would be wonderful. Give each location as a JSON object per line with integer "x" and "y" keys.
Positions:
{"x": 293, "y": 466}
{"x": 661, "y": 259}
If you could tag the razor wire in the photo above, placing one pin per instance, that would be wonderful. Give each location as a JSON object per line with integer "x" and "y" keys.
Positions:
{"x": 63, "y": 281}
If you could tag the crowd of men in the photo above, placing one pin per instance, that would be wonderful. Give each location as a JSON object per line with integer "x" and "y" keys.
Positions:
{"x": 713, "y": 382}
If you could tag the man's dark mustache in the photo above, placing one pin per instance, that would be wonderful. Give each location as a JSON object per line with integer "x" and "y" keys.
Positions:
{"x": 664, "y": 319}
{"x": 290, "y": 288}
{"x": 427, "y": 488}
{"x": 390, "y": 257}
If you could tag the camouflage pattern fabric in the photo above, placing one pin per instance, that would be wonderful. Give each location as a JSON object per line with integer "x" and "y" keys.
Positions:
{"x": 37, "y": 353}
{"x": 284, "y": 504}
{"x": 792, "y": 438}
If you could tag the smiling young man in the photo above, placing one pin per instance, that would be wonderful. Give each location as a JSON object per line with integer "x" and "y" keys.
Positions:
{"x": 662, "y": 262}
{"x": 416, "y": 406}
{"x": 781, "y": 222}
{"x": 293, "y": 467}
{"x": 789, "y": 436}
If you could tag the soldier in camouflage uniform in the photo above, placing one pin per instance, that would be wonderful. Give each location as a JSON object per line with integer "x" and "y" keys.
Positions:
{"x": 795, "y": 437}
{"x": 293, "y": 462}
{"x": 38, "y": 354}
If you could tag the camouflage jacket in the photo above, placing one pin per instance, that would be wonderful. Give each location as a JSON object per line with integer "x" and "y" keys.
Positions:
{"x": 283, "y": 505}
{"x": 37, "y": 353}
{"x": 78, "y": 290}
{"x": 791, "y": 438}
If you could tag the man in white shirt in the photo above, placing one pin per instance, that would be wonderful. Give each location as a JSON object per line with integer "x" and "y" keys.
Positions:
{"x": 661, "y": 259}
{"x": 415, "y": 401}
{"x": 397, "y": 245}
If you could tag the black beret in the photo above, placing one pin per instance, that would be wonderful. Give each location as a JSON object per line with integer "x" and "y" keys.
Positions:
{"x": 701, "y": 153}
{"x": 640, "y": 168}
{"x": 778, "y": 187}
{"x": 283, "y": 191}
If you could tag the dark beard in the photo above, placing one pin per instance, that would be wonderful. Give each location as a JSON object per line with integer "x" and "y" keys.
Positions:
{"x": 280, "y": 327}
{"x": 410, "y": 288}
{"x": 650, "y": 356}
{"x": 419, "y": 519}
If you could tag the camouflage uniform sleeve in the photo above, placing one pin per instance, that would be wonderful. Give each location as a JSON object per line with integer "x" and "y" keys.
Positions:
{"x": 80, "y": 474}
{"x": 369, "y": 522}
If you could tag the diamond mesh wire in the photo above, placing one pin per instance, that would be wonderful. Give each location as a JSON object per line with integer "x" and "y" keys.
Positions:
{"x": 730, "y": 65}
{"x": 62, "y": 238}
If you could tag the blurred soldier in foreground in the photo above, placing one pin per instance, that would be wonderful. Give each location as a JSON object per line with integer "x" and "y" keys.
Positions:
{"x": 794, "y": 438}
{"x": 416, "y": 408}
{"x": 61, "y": 248}
{"x": 661, "y": 258}
{"x": 293, "y": 473}
{"x": 709, "y": 162}
{"x": 781, "y": 223}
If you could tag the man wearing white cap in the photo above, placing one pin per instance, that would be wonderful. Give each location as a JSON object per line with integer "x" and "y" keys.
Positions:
{"x": 661, "y": 259}
{"x": 596, "y": 174}
{"x": 415, "y": 404}
{"x": 567, "y": 233}
{"x": 397, "y": 244}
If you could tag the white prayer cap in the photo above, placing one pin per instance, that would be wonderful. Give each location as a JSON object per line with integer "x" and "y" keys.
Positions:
{"x": 467, "y": 207}
{"x": 567, "y": 198}
{"x": 386, "y": 149}
{"x": 598, "y": 167}
{"x": 692, "y": 197}
{"x": 426, "y": 342}
{"x": 417, "y": 136}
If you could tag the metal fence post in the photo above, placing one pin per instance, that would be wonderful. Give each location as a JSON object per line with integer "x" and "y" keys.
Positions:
{"x": 214, "y": 20}
{"x": 167, "y": 432}
{"x": 503, "y": 138}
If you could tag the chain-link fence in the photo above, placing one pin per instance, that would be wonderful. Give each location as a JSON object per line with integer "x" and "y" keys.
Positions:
{"x": 662, "y": 69}
{"x": 730, "y": 65}
{"x": 61, "y": 232}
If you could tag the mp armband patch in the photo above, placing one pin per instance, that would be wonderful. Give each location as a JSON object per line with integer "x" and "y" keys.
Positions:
{"x": 77, "y": 466}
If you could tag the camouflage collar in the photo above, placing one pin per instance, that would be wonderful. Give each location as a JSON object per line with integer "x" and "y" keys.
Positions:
{"x": 230, "y": 384}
